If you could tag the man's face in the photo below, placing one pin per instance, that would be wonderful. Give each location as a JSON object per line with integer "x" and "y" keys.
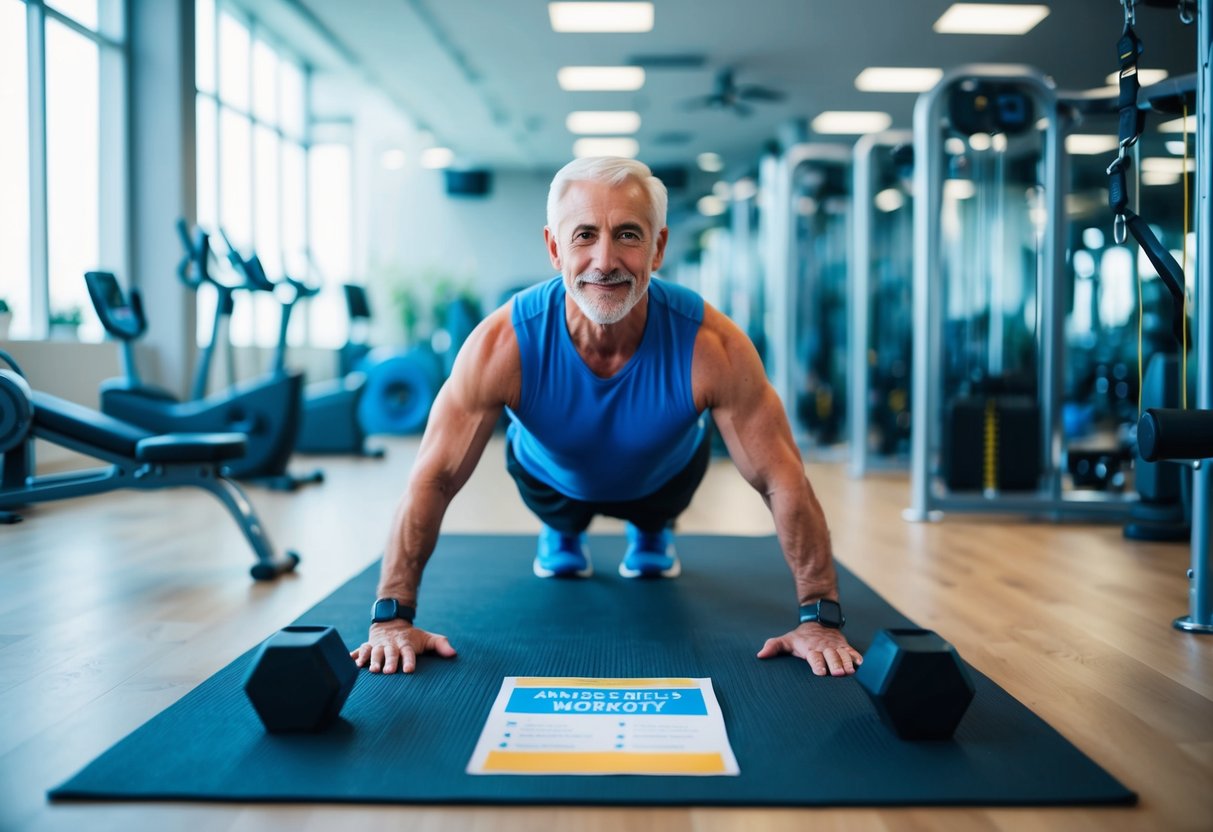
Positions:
{"x": 606, "y": 248}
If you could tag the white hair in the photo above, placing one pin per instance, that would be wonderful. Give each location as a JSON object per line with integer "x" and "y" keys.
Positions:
{"x": 611, "y": 170}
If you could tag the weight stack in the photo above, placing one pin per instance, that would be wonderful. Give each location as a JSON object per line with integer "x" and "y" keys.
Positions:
{"x": 992, "y": 443}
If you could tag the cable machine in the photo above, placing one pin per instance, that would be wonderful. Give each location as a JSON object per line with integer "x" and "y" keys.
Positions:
{"x": 806, "y": 254}
{"x": 989, "y": 348}
{"x": 878, "y": 301}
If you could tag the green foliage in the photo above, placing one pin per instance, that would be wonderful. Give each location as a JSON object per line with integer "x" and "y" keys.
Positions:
{"x": 69, "y": 316}
{"x": 422, "y": 296}
{"x": 4, "y": 306}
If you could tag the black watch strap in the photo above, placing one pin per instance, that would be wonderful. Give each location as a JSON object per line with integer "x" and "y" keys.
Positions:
{"x": 825, "y": 612}
{"x": 389, "y": 609}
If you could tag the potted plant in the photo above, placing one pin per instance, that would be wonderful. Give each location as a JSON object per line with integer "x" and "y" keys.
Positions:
{"x": 6, "y": 319}
{"x": 65, "y": 322}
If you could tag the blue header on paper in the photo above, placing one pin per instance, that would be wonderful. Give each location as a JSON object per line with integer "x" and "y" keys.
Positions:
{"x": 612, "y": 701}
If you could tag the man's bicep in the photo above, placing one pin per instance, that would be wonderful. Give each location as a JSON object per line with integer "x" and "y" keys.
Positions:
{"x": 756, "y": 432}
{"x": 455, "y": 437}
{"x": 746, "y": 409}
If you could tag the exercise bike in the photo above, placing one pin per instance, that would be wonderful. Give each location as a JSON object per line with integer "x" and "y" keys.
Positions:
{"x": 265, "y": 409}
{"x": 329, "y": 421}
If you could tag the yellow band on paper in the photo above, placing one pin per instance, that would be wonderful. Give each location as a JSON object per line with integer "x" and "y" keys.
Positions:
{"x": 600, "y": 762}
{"x": 574, "y": 682}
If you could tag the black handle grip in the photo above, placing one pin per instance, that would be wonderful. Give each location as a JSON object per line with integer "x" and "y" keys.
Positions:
{"x": 1175, "y": 434}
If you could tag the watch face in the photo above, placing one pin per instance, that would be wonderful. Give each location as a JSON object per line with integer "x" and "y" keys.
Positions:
{"x": 385, "y": 609}
{"x": 829, "y": 613}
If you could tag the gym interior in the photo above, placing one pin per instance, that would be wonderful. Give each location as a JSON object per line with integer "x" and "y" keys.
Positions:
{"x": 243, "y": 241}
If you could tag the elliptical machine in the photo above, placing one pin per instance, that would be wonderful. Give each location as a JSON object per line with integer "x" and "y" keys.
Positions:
{"x": 329, "y": 420}
{"x": 266, "y": 409}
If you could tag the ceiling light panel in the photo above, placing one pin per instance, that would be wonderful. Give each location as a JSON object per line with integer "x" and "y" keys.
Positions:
{"x": 602, "y": 122}
{"x": 1167, "y": 164}
{"x": 990, "y": 19}
{"x": 1155, "y": 178}
{"x": 437, "y": 157}
{"x": 897, "y": 79}
{"x": 1145, "y": 77}
{"x": 628, "y": 148}
{"x": 601, "y": 17}
{"x": 851, "y": 122}
{"x": 600, "y": 78}
{"x": 1176, "y": 125}
{"x": 1082, "y": 144}
{"x": 711, "y": 205}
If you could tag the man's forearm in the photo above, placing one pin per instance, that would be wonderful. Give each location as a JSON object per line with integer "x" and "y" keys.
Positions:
{"x": 805, "y": 540}
{"x": 411, "y": 542}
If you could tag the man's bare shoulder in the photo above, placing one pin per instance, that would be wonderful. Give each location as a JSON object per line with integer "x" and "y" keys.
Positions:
{"x": 489, "y": 361}
{"x": 724, "y": 356}
{"x": 719, "y": 338}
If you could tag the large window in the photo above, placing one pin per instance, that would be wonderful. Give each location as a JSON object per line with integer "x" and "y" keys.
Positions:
{"x": 62, "y": 160}
{"x": 254, "y": 174}
{"x": 15, "y": 285}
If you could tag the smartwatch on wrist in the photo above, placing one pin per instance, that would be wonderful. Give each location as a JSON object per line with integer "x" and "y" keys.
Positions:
{"x": 825, "y": 612}
{"x": 389, "y": 609}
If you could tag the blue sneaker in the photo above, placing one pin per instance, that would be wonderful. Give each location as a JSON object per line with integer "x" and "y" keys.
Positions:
{"x": 562, "y": 555}
{"x": 650, "y": 555}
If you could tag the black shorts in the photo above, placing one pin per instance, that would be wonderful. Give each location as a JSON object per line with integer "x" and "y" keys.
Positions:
{"x": 652, "y": 513}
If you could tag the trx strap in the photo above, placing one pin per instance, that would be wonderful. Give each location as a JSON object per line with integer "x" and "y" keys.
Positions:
{"x": 1128, "y": 48}
{"x": 1132, "y": 122}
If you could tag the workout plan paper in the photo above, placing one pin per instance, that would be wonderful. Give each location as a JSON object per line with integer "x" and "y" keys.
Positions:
{"x": 604, "y": 726}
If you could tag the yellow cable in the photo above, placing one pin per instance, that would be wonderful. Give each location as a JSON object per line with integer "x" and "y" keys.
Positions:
{"x": 990, "y": 448}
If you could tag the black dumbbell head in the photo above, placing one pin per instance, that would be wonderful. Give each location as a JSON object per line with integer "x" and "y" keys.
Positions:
{"x": 300, "y": 678}
{"x": 918, "y": 683}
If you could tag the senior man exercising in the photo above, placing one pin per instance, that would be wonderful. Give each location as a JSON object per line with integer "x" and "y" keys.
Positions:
{"x": 606, "y": 375}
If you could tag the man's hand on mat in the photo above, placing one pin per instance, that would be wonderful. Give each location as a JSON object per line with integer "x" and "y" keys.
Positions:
{"x": 825, "y": 649}
{"x": 394, "y": 645}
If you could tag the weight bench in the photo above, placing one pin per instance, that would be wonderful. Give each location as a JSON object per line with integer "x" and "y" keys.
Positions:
{"x": 137, "y": 459}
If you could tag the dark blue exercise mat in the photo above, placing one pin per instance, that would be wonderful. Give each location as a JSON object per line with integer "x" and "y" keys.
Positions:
{"x": 800, "y": 740}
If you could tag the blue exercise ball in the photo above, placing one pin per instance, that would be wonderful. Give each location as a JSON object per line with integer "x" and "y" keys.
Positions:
{"x": 400, "y": 390}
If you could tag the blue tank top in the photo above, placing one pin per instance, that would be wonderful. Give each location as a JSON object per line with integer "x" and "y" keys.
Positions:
{"x": 606, "y": 439}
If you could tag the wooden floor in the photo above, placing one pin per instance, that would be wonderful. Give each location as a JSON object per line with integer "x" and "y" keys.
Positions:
{"x": 112, "y": 608}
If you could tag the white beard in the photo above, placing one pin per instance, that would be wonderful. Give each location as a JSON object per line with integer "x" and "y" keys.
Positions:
{"x": 604, "y": 310}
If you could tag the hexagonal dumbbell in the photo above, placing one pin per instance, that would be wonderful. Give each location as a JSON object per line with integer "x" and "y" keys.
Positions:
{"x": 917, "y": 681}
{"x": 300, "y": 678}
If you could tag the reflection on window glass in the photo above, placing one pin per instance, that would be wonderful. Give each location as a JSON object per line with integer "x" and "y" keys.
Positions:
{"x": 1118, "y": 292}
{"x": 235, "y": 200}
{"x": 294, "y": 211}
{"x": 265, "y": 200}
{"x": 265, "y": 83}
{"x": 72, "y": 174}
{"x": 330, "y": 224}
{"x": 83, "y": 12}
{"x": 233, "y": 62}
{"x": 251, "y": 181}
{"x": 204, "y": 45}
{"x": 208, "y": 164}
{"x": 291, "y": 98}
{"x": 235, "y": 140}
{"x": 14, "y": 168}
